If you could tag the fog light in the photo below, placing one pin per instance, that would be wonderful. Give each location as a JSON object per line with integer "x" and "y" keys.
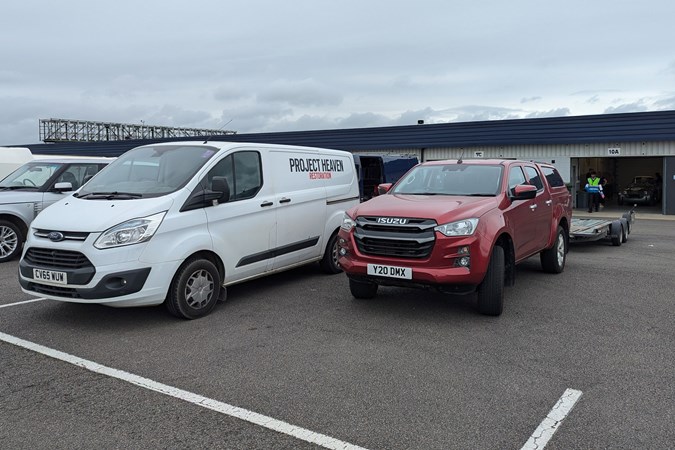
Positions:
{"x": 342, "y": 251}
{"x": 464, "y": 261}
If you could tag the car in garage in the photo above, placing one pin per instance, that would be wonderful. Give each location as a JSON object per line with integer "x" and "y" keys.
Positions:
{"x": 33, "y": 187}
{"x": 643, "y": 190}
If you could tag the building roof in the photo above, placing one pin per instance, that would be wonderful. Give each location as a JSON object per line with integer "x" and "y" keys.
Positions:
{"x": 624, "y": 127}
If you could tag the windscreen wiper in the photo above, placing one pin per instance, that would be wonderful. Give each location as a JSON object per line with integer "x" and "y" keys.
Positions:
{"x": 14, "y": 188}
{"x": 110, "y": 195}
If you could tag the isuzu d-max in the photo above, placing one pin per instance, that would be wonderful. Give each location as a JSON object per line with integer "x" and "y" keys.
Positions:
{"x": 459, "y": 227}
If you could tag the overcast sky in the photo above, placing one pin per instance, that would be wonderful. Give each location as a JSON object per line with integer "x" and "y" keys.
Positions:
{"x": 269, "y": 65}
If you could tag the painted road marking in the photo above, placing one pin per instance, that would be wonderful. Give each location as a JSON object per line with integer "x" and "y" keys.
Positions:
{"x": 22, "y": 303}
{"x": 214, "y": 405}
{"x": 550, "y": 424}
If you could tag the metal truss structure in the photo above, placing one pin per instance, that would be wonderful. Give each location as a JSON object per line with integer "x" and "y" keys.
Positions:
{"x": 64, "y": 130}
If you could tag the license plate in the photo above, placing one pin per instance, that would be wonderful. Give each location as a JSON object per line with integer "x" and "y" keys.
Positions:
{"x": 50, "y": 276}
{"x": 390, "y": 271}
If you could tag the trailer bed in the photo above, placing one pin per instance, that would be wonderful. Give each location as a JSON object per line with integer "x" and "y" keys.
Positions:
{"x": 588, "y": 229}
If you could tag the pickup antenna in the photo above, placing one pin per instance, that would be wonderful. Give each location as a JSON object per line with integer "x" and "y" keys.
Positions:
{"x": 459, "y": 161}
{"x": 208, "y": 138}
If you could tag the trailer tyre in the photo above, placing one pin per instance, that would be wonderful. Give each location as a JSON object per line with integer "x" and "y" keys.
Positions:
{"x": 362, "y": 289}
{"x": 329, "y": 263}
{"x": 195, "y": 289}
{"x": 491, "y": 290}
{"x": 616, "y": 231}
{"x": 624, "y": 230}
{"x": 553, "y": 259}
{"x": 627, "y": 217}
{"x": 11, "y": 240}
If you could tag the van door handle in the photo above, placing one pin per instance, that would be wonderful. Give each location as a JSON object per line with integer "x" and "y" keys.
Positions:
{"x": 285, "y": 200}
{"x": 264, "y": 204}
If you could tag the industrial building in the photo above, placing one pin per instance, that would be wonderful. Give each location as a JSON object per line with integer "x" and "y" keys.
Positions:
{"x": 618, "y": 146}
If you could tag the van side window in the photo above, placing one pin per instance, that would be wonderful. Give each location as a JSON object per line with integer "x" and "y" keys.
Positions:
{"x": 243, "y": 171}
{"x": 535, "y": 178}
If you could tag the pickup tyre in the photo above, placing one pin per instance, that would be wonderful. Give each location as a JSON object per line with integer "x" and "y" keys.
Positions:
{"x": 553, "y": 258}
{"x": 491, "y": 290}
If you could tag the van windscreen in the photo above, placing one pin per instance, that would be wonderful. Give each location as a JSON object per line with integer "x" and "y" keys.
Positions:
{"x": 150, "y": 171}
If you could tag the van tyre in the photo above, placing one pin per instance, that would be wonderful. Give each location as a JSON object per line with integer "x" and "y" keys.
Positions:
{"x": 11, "y": 240}
{"x": 329, "y": 263}
{"x": 195, "y": 289}
{"x": 553, "y": 259}
{"x": 491, "y": 290}
{"x": 362, "y": 289}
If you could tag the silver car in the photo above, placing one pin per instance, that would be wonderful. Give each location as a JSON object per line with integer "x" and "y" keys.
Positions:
{"x": 32, "y": 188}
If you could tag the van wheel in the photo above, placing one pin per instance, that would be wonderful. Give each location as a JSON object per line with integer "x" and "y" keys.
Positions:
{"x": 553, "y": 259}
{"x": 11, "y": 239}
{"x": 329, "y": 263}
{"x": 194, "y": 290}
{"x": 362, "y": 289}
{"x": 491, "y": 290}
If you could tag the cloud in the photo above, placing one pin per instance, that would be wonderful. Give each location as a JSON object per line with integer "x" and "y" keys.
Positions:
{"x": 306, "y": 93}
{"x": 529, "y": 99}
{"x": 558, "y": 112}
{"x": 638, "y": 106}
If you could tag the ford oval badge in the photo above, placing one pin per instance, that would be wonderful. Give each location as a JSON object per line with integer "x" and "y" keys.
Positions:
{"x": 55, "y": 236}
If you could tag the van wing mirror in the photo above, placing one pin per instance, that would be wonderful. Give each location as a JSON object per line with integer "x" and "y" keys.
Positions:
{"x": 383, "y": 188}
{"x": 219, "y": 184}
{"x": 523, "y": 192}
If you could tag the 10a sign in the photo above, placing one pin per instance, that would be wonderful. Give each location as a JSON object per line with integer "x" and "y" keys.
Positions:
{"x": 614, "y": 151}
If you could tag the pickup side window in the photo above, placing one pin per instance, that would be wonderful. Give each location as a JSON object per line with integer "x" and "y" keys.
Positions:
{"x": 553, "y": 177}
{"x": 534, "y": 177}
{"x": 243, "y": 171}
{"x": 516, "y": 177}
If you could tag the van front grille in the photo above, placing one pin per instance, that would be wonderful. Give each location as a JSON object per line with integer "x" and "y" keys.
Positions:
{"x": 57, "y": 259}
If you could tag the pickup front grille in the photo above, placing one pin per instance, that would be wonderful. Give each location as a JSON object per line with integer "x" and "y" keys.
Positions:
{"x": 57, "y": 259}
{"x": 414, "y": 239}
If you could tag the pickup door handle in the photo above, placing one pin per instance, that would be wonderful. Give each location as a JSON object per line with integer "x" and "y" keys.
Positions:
{"x": 533, "y": 207}
{"x": 285, "y": 200}
{"x": 264, "y": 204}
{"x": 548, "y": 202}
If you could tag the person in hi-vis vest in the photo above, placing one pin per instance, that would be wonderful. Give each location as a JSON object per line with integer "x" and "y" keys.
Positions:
{"x": 594, "y": 190}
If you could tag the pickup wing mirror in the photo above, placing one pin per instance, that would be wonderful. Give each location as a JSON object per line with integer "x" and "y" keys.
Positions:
{"x": 523, "y": 192}
{"x": 63, "y": 186}
{"x": 383, "y": 188}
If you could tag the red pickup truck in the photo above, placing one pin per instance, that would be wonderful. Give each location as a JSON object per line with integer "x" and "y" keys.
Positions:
{"x": 458, "y": 227}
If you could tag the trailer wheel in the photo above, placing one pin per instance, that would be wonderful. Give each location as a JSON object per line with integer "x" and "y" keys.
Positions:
{"x": 627, "y": 216}
{"x": 624, "y": 230}
{"x": 616, "y": 231}
{"x": 194, "y": 290}
{"x": 553, "y": 259}
{"x": 329, "y": 263}
{"x": 491, "y": 290}
{"x": 362, "y": 289}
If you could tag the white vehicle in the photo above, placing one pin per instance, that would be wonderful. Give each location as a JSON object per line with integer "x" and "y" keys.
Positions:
{"x": 176, "y": 223}
{"x": 33, "y": 187}
{"x": 11, "y": 158}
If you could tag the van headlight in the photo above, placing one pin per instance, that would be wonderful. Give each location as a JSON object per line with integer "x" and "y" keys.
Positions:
{"x": 464, "y": 227}
{"x": 132, "y": 231}
{"x": 347, "y": 222}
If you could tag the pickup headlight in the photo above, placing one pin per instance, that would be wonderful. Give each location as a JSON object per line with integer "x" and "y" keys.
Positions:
{"x": 464, "y": 227}
{"x": 347, "y": 223}
{"x": 132, "y": 231}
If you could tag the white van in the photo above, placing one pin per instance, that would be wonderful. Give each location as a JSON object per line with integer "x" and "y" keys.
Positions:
{"x": 178, "y": 222}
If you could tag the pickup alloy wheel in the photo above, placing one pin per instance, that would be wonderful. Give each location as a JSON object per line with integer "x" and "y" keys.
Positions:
{"x": 10, "y": 240}
{"x": 553, "y": 259}
{"x": 491, "y": 290}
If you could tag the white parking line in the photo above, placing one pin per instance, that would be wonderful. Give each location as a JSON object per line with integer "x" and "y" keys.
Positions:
{"x": 550, "y": 424}
{"x": 22, "y": 303}
{"x": 204, "y": 402}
